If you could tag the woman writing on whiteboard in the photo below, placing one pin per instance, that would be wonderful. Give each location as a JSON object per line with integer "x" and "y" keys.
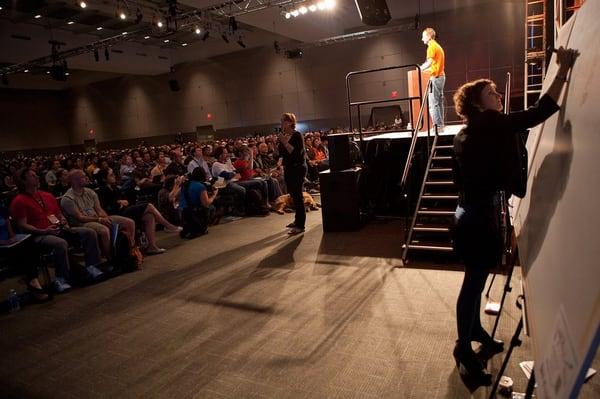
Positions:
{"x": 486, "y": 162}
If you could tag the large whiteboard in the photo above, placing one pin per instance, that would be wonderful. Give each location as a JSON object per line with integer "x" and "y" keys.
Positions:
{"x": 558, "y": 222}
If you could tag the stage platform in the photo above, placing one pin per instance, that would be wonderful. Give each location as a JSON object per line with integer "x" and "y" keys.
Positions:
{"x": 449, "y": 130}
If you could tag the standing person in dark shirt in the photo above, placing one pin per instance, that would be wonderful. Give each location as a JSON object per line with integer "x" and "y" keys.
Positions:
{"x": 486, "y": 162}
{"x": 291, "y": 149}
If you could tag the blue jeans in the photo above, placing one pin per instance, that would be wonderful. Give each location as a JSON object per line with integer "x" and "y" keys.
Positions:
{"x": 436, "y": 100}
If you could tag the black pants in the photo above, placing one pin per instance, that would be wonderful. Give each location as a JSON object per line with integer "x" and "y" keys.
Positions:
{"x": 294, "y": 180}
{"x": 23, "y": 257}
{"x": 478, "y": 241}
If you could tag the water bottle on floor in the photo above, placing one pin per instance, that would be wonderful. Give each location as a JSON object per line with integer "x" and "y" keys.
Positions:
{"x": 13, "y": 301}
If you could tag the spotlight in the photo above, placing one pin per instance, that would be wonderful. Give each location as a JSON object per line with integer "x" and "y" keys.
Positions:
{"x": 99, "y": 28}
{"x": 303, "y": 10}
{"x": 26, "y": 70}
{"x": 82, "y": 4}
{"x": 38, "y": 16}
{"x": 183, "y": 44}
{"x": 124, "y": 33}
{"x": 294, "y": 13}
{"x": 138, "y": 16}
{"x": 197, "y": 30}
{"x": 122, "y": 15}
{"x": 288, "y": 15}
{"x": 146, "y": 37}
{"x": 96, "y": 55}
{"x": 321, "y": 5}
{"x": 312, "y": 8}
{"x": 166, "y": 41}
{"x": 224, "y": 37}
{"x": 70, "y": 23}
{"x": 106, "y": 54}
{"x": 159, "y": 23}
{"x": 329, "y": 4}
{"x": 205, "y": 35}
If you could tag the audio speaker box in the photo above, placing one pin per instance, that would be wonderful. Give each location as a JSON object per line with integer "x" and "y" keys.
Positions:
{"x": 339, "y": 151}
{"x": 373, "y": 12}
{"x": 340, "y": 200}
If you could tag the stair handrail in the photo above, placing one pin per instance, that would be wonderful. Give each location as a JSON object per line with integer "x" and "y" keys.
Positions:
{"x": 415, "y": 136}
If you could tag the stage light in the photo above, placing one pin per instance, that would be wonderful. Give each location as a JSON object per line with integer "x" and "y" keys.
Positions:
{"x": 82, "y": 4}
{"x": 70, "y": 23}
{"x": 183, "y": 44}
{"x": 321, "y": 5}
{"x": 329, "y": 4}
{"x": 303, "y": 10}
{"x": 27, "y": 70}
{"x": 67, "y": 73}
{"x": 224, "y": 37}
{"x": 96, "y": 55}
{"x": 312, "y": 8}
{"x": 288, "y": 15}
{"x": 122, "y": 15}
{"x": 38, "y": 16}
{"x": 124, "y": 33}
{"x": 197, "y": 30}
{"x": 166, "y": 41}
{"x": 294, "y": 13}
{"x": 99, "y": 28}
{"x": 146, "y": 37}
{"x": 159, "y": 23}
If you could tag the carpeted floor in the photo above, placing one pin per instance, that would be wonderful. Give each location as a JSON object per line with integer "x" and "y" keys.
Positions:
{"x": 247, "y": 312}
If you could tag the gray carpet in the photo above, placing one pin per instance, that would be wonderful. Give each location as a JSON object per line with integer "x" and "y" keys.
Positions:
{"x": 247, "y": 312}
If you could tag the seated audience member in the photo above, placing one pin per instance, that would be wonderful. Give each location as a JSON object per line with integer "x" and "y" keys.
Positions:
{"x": 176, "y": 167}
{"x": 144, "y": 214}
{"x": 207, "y": 154}
{"x": 82, "y": 208}
{"x": 62, "y": 183}
{"x": 198, "y": 161}
{"x": 223, "y": 168}
{"x": 196, "y": 204}
{"x": 244, "y": 165}
{"x": 157, "y": 173}
{"x": 312, "y": 172}
{"x": 265, "y": 164}
{"x": 50, "y": 176}
{"x": 321, "y": 156}
{"x": 21, "y": 255}
{"x": 37, "y": 213}
{"x": 168, "y": 204}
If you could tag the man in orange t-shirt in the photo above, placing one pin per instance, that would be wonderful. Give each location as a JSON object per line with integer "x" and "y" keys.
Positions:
{"x": 435, "y": 66}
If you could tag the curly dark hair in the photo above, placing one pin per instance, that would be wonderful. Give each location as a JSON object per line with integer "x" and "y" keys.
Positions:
{"x": 468, "y": 96}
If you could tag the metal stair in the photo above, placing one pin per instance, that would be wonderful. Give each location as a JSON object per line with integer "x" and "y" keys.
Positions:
{"x": 434, "y": 211}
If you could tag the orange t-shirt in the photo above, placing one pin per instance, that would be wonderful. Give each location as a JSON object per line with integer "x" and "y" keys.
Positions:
{"x": 436, "y": 53}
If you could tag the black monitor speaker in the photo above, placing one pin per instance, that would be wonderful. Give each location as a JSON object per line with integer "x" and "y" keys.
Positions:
{"x": 339, "y": 151}
{"x": 373, "y": 12}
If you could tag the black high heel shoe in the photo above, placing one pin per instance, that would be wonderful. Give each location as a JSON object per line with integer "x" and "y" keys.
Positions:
{"x": 470, "y": 367}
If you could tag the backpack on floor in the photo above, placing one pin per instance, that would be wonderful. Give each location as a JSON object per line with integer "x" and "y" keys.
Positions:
{"x": 123, "y": 258}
